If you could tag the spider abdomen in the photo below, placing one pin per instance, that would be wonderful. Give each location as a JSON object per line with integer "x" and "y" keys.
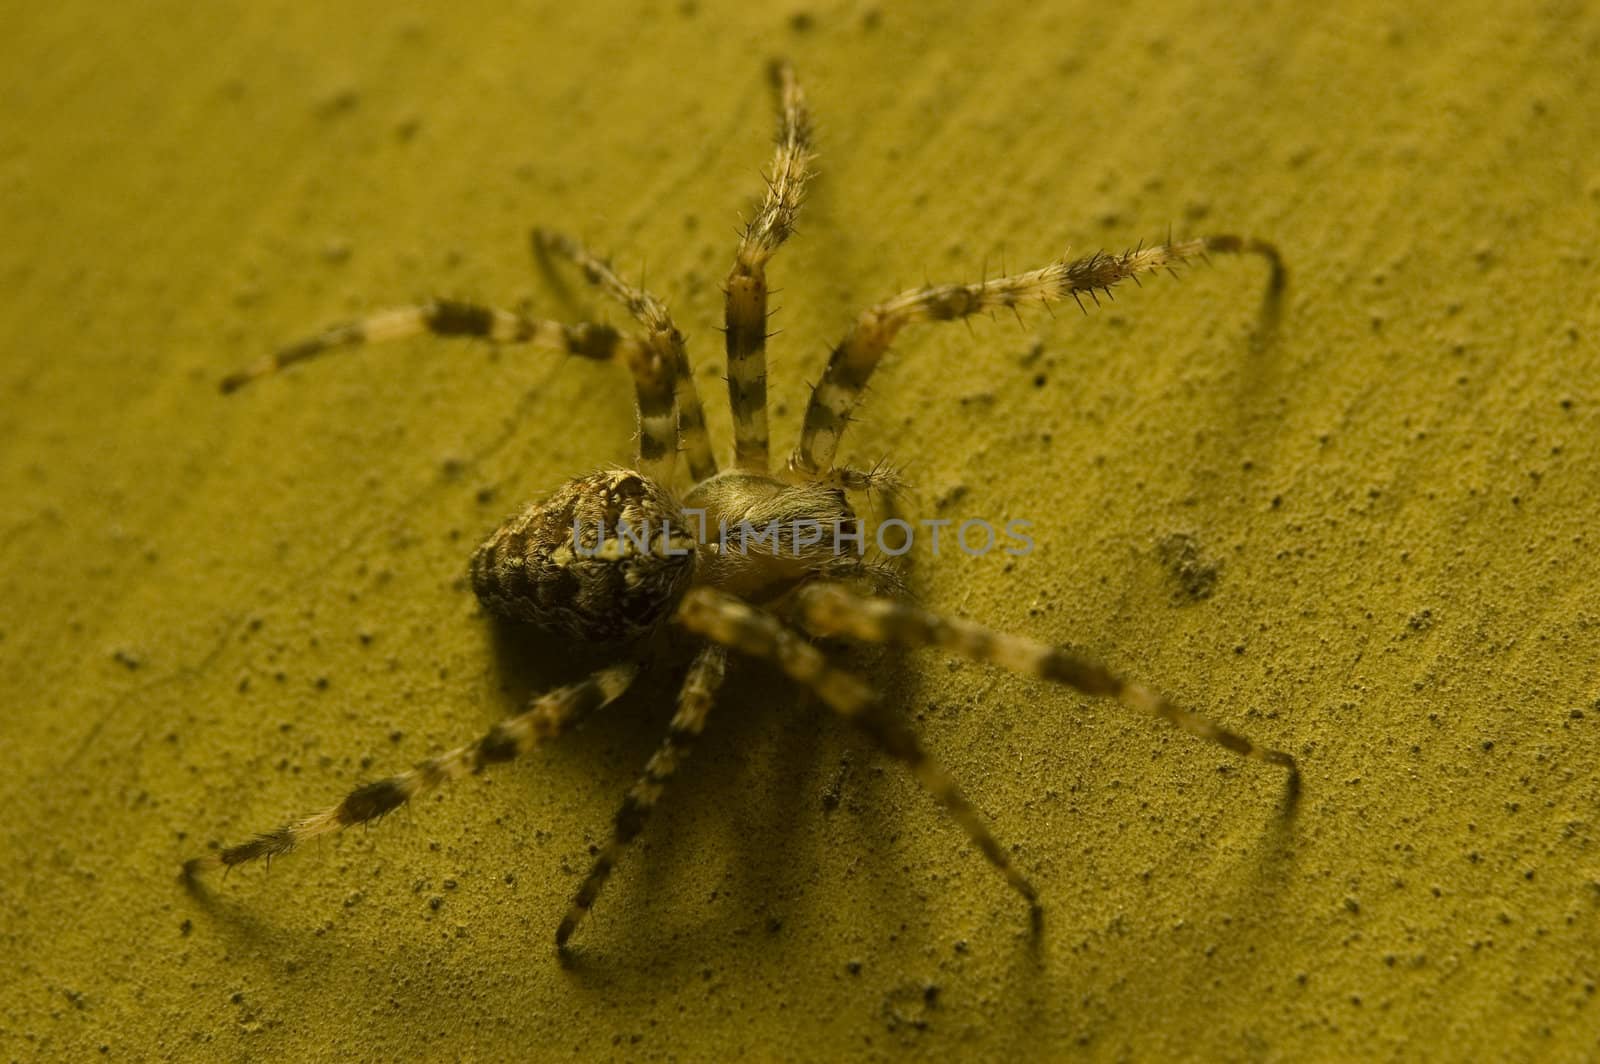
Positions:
{"x": 605, "y": 558}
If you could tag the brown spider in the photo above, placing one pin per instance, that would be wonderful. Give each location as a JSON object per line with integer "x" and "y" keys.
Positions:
{"x": 613, "y": 557}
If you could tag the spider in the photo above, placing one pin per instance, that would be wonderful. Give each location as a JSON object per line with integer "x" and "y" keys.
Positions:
{"x": 562, "y": 565}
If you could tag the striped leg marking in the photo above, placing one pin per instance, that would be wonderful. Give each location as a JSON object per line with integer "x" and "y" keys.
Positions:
{"x": 544, "y": 719}
{"x": 652, "y": 375}
{"x": 857, "y": 355}
{"x": 658, "y": 423}
{"x": 694, "y": 704}
{"x": 441, "y": 317}
{"x": 740, "y": 626}
{"x": 745, "y": 308}
{"x": 663, "y": 335}
{"x": 830, "y": 609}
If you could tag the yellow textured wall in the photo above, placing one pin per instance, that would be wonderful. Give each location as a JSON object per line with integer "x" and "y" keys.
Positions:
{"x": 216, "y": 613}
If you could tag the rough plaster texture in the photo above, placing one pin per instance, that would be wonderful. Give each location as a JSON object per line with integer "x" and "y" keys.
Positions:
{"x": 1367, "y": 534}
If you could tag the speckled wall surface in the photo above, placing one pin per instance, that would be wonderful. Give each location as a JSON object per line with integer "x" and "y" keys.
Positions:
{"x": 219, "y": 612}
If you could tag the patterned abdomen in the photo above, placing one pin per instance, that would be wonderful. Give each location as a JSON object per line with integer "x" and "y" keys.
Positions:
{"x": 605, "y": 558}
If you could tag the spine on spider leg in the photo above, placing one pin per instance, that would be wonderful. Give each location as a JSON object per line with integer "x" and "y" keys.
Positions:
{"x": 509, "y": 739}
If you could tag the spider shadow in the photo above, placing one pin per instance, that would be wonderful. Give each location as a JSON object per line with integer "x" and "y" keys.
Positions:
{"x": 1255, "y": 888}
{"x": 745, "y": 768}
{"x": 526, "y": 661}
{"x": 326, "y": 971}
{"x": 1258, "y": 388}
{"x": 721, "y": 865}
{"x": 558, "y": 286}
{"x": 816, "y": 791}
{"x": 238, "y": 920}
{"x": 777, "y": 775}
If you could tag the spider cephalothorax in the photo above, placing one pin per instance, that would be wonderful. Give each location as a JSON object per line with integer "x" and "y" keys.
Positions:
{"x": 762, "y": 535}
{"x": 752, "y": 561}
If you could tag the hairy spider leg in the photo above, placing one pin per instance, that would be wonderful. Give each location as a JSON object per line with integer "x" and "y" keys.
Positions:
{"x": 547, "y": 716}
{"x": 661, "y": 333}
{"x": 745, "y": 307}
{"x": 853, "y": 360}
{"x": 658, "y": 429}
{"x": 830, "y": 609}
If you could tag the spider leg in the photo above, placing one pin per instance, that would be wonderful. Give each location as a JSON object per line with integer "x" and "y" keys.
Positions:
{"x": 441, "y": 317}
{"x": 658, "y": 430}
{"x": 881, "y": 480}
{"x": 829, "y": 609}
{"x": 857, "y": 355}
{"x": 745, "y": 308}
{"x": 694, "y": 703}
{"x": 883, "y": 558}
{"x": 548, "y": 715}
{"x": 662, "y": 334}
{"x": 887, "y": 490}
{"x": 736, "y": 624}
